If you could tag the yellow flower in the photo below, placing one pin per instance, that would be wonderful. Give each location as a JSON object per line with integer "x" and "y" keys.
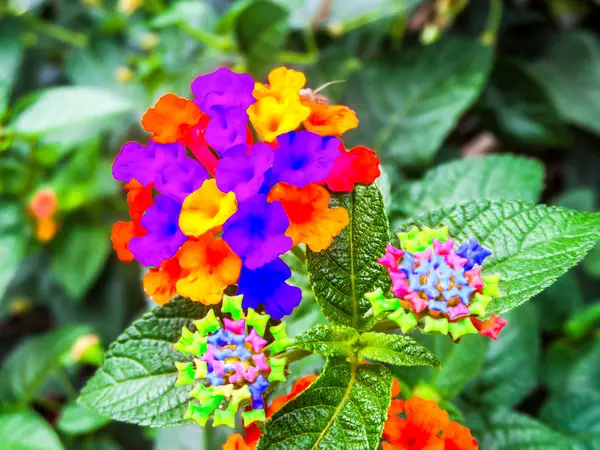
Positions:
{"x": 205, "y": 209}
{"x": 271, "y": 118}
{"x": 278, "y": 107}
{"x": 282, "y": 81}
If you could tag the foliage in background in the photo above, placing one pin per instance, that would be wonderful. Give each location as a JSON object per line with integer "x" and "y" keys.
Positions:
{"x": 75, "y": 75}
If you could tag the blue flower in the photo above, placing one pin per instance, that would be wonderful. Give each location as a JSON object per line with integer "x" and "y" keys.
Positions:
{"x": 473, "y": 253}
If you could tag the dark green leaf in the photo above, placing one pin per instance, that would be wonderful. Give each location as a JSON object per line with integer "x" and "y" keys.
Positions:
{"x": 344, "y": 273}
{"x": 509, "y": 430}
{"x": 577, "y": 415}
{"x": 347, "y": 405}
{"x": 13, "y": 241}
{"x": 532, "y": 245}
{"x": 79, "y": 256}
{"x": 137, "y": 381}
{"x": 585, "y": 371}
{"x": 11, "y": 53}
{"x": 407, "y": 108}
{"x": 261, "y": 31}
{"x": 29, "y": 365}
{"x": 76, "y": 419}
{"x": 511, "y": 368}
{"x": 328, "y": 340}
{"x": 504, "y": 177}
{"x": 521, "y": 109}
{"x": 559, "y": 301}
{"x": 395, "y": 349}
{"x": 570, "y": 71}
{"x": 26, "y": 430}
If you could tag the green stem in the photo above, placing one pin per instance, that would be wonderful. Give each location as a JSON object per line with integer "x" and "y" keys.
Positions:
{"x": 54, "y": 31}
{"x": 297, "y": 58}
{"x": 385, "y": 325}
{"x": 488, "y": 37}
{"x": 66, "y": 382}
{"x": 296, "y": 355}
{"x": 208, "y": 39}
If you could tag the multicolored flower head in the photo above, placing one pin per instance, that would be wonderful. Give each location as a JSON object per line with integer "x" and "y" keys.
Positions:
{"x": 211, "y": 208}
{"x": 438, "y": 286}
{"x": 234, "y": 364}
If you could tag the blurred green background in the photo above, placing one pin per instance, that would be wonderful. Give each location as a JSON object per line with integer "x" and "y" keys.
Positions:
{"x": 431, "y": 82}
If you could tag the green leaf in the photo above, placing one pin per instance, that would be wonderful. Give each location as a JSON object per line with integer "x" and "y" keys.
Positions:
{"x": 13, "y": 241}
{"x": 78, "y": 257}
{"x": 26, "y": 430}
{"x": 29, "y": 365}
{"x": 509, "y": 430}
{"x": 512, "y": 365}
{"x": 531, "y": 245}
{"x": 346, "y": 271}
{"x": 395, "y": 349}
{"x": 261, "y": 31}
{"x": 137, "y": 380}
{"x": 577, "y": 415}
{"x": 407, "y": 108}
{"x": 573, "y": 56}
{"x": 347, "y": 405}
{"x": 585, "y": 371}
{"x": 505, "y": 177}
{"x": 76, "y": 419}
{"x": 521, "y": 109}
{"x": 11, "y": 54}
{"x": 559, "y": 301}
{"x": 78, "y": 110}
{"x": 328, "y": 340}
{"x": 460, "y": 363}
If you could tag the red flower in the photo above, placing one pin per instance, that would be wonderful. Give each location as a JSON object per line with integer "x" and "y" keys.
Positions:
{"x": 359, "y": 165}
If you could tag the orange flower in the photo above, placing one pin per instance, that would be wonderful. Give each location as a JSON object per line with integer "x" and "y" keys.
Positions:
{"x": 327, "y": 120}
{"x": 210, "y": 265}
{"x": 46, "y": 229}
{"x": 44, "y": 203}
{"x": 252, "y": 432}
{"x": 160, "y": 283}
{"x": 457, "y": 437}
{"x": 121, "y": 234}
{"x": 171, "y": 119}
{"x": 139, "y": 199}
{"x": 359, "y": 165}
{"x": 311, "y": 220}
{"x": 282, "y": 82}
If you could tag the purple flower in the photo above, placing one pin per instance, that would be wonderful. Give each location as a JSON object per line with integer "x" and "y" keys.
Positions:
{"x": 180, "y": 179}
{"x": 164, "y": 236}
{"x": 227, "y": 128}
{"x": 303, "y": 158}
{"x": 256, "y": 232}
{"x": 145, "y": 163}
{"x": 473, "y": 253}
{"x": 223, "y": 88}
{"x": 242, "y": 173}
{"x": 267, "y": 285}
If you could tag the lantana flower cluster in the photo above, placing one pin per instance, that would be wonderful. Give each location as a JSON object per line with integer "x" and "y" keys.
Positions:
{"x": 233, "y": 364}
{"x": 438, "y": 285}
{"x": 230, "y": 181}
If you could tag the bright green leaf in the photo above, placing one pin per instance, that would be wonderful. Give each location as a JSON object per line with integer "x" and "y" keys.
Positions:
{"x": 346, "y": 271}
{"x": 73, "y": 112}
{"x": 521, "y": 109}
{"x": 29, "y": 365}
{"x": 26, "y": 430}
{"x": 347, "y": 405}
{"x": 577, "y": 415}
{"x": 76, "y": 419}
{"x": 13, "y": 241}
{"x": 512, "y": 365}
{"x": 137, "y": 381}
{"x": 504, "y": 177}
{"x": 328, "y": 340}
{"x": 395, "y": 349}
{"x": 79, "y": 256}
{"x": 531, "y": 245}
{"x": 570, "y": 71}
{"x": 407, "y": 108}
{"x": 509, "y": 430}
{"x": 261, "y": 31}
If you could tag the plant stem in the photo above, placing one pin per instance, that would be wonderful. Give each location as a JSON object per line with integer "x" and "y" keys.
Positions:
{"x": 208, "y": 39}
{"x": 297, "y": 58}
{"x": 488, "y": 37}
{"x": 54, "y": 31}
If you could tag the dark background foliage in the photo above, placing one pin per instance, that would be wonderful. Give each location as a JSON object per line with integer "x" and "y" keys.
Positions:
{"x": 431, "y": 81}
